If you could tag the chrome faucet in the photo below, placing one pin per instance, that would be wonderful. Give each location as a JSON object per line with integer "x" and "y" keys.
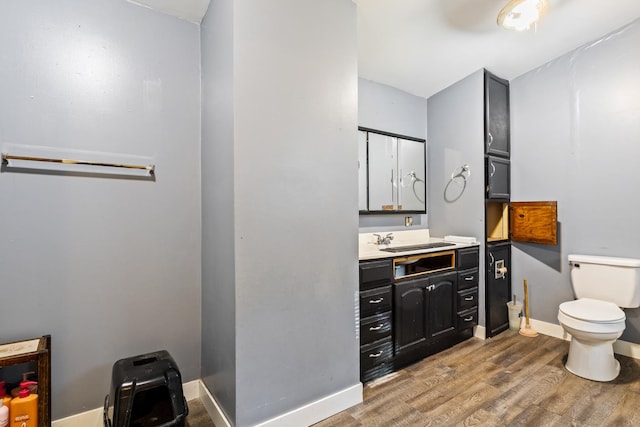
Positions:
{"x": 383, "y": 240}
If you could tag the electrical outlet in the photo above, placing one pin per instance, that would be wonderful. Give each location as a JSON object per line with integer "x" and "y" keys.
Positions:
{"x": 408, "y": 221}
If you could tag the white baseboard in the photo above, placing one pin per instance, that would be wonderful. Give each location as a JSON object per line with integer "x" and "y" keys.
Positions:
{"x": 324, "y": 407}
{"x": 305, "y": 415}
{"x": 620, "y": 347}
{"x": 480, "y": 332}
{"x": 213, "y": 409}
{"x": 623, "y": 348}
{"x": 318, "y": 410}
{"x": 93, "y": 418}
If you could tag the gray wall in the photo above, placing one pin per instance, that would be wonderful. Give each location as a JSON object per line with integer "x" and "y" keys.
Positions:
{"x": 575, "y": 132}
{"x": 456, "y": 137}
{"x": 388, "y": 109}
{"x": 218, "y": 207}
{"x": 291, "y": 153}
{"x": 109, "y": 267}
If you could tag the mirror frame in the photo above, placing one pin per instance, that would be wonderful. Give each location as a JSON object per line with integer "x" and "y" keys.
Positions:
{"x": 399, "y": 136}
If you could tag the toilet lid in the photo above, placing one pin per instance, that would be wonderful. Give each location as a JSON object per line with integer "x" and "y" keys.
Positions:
{"x": 592, "y": 310}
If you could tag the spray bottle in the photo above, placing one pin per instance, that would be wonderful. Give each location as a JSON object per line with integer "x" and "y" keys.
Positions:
{"x": 24, "y": 408}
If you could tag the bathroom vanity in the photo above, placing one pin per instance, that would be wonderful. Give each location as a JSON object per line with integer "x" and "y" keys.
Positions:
{"x": 414, "y": 303}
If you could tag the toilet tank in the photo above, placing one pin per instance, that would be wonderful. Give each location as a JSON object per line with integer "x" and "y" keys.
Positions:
{"x": 612, "y": 279}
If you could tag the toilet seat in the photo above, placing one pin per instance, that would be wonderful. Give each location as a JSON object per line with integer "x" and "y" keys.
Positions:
{"x": 592, "y": 316}
{"x": 593, "y": 311}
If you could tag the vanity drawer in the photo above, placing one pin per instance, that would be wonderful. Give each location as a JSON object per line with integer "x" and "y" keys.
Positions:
{"x": 468, "y": 279}
{"x": 378, "y": 353}
{"x": 468, "y": 258}
{"x": 375, "y": 301}
{"x": 375, "y": 273}
{"x": 467, "y": 319}
{"x": 467, "y": 299}
{"x": 375, "y": 328}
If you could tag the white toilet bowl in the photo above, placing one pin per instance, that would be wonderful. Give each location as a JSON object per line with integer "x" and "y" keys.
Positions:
{"x": 594, "y": 326}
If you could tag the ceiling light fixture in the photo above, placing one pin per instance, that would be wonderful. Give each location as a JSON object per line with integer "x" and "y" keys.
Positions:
{"x": 519, "y": 15}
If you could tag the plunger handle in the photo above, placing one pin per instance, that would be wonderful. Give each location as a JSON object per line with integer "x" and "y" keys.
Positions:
{"x": 526, "y": 303}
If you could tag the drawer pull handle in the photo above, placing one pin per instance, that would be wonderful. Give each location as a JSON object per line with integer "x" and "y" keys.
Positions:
{"x": 378, "y": 354}
{"x": 376, "y": 328}
{"x": 468, "y": 319}
{"x": 376, "y": 301}
{"x": 470, "y": 278}
{"x": 468, "y": 299}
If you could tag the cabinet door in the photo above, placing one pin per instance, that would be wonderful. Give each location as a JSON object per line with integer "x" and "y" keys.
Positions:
{"x": 411, "y": 174}
{"x": 410, "y": 319}
{"x": 496, "y": 115}
{"x": 382, "y": 172}
{"x": 535, "y": 222}
{"x": 497, "y": 288}
{"x": 498, "y": 178}
{"x": 362, "y": 170}
{"x": 442, "y": 304}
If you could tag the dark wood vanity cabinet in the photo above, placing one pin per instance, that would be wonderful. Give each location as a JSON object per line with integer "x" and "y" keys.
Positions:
{"x": 376, "y": 321}
{"x": 415, "y": 314}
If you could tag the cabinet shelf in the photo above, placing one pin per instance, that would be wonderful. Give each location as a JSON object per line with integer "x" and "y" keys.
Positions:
{"x": 420, "y": 265}
{"x": 36, "y": 350}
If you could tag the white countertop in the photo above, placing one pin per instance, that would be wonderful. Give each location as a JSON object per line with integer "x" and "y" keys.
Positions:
{"x": 367, "y": 249}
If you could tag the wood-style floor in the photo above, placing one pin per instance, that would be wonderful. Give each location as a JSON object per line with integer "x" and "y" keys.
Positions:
{"x": 198, "y": 416}
{"x": 508, "y": 380}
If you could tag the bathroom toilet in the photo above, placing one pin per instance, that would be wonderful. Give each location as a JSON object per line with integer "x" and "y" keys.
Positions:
{"x": 602, "y": 286}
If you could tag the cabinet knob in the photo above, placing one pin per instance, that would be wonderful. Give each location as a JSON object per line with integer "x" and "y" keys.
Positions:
{"x": 468, "y": 319}
{"x": 376, "y": 328}
{"x": 376, "y": 301}
{"x": 469, "y": 298}
{"x": 378, "y": 354}
{"x": 469, "y": 278}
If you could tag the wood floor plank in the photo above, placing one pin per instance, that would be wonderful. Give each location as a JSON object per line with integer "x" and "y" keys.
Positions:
{"x": 482, "y": 418}
{"x": 626, "y": 412}
{"x": 514, "y": 400}
{"x": 447, "y": 388}
{"x": 534, "y": 416}
{"x": 507, "y": 380}
{"x": 462, "y": 405}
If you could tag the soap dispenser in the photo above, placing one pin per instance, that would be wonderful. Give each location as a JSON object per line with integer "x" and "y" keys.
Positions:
{"x": 33, "y": 389}
{"x": 24, "y": 408}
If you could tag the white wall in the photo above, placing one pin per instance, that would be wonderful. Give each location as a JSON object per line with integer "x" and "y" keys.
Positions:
{"x": 575, "y": 132}
{"x": 109, "y": 267}
{"x": 293, "y": 168}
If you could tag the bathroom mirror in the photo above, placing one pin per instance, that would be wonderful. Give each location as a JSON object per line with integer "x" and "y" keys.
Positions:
{"x": 395, "y": 176}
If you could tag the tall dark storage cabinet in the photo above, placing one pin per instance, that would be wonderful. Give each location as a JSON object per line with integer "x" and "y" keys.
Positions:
{"x": 498, "y": 189}
{"x": 481, "y": 102}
